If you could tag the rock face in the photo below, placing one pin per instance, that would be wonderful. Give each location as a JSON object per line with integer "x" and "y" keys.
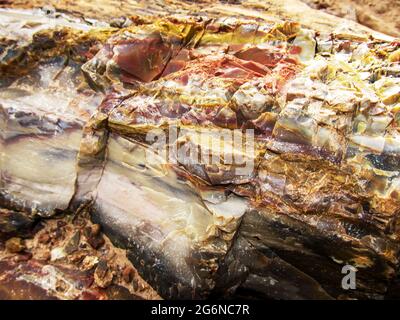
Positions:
{"x": 229, "y": 157}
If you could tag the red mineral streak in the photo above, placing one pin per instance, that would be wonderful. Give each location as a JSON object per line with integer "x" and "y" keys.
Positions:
{"x": 145, "y": 59}
{"x": 295, "y": 50}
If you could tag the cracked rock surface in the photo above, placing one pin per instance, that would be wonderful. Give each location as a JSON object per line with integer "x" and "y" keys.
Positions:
{"x": 93, "y": 210}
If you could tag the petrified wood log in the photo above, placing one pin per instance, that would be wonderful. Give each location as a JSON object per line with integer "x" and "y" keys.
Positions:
{"x": 124, "y": 121}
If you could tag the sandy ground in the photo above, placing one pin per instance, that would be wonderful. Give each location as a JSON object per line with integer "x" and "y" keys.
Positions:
{"x": 382, "y": 15}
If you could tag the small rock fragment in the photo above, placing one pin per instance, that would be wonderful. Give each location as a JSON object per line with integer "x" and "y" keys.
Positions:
{"x": 58, "y": 234}
{"x": 15, "y": 245}
{"x": 44, "y": 238}
{"x": 57, "y": 253}
{"x": 103, "y": 276}
{"x": 116, "y": 292}
{"x": 127, "y": 274}
{"x": 120, "y": 22}
{"x": 61, "y": 223}
{"x": 78, "y": 256}
{"x": 96, "y": 228}
{"x": 73, "y": 243}
{"x": 23, "y": 256}
{"x": 89, "y": 262}
{"x": 44, "y": 255}
{"x": 93, "y": 236}
{"x": 96, "y": 242}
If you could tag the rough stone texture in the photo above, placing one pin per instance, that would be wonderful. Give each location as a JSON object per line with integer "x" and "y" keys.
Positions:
{"x": 322, "y": 97}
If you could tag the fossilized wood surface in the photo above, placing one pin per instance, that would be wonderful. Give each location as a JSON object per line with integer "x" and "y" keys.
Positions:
{"x": 78, "y": 100}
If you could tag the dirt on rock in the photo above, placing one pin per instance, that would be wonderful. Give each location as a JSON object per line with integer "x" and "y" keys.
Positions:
{"x": 322, "y": 15}
{"x": 382, "y": 16}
